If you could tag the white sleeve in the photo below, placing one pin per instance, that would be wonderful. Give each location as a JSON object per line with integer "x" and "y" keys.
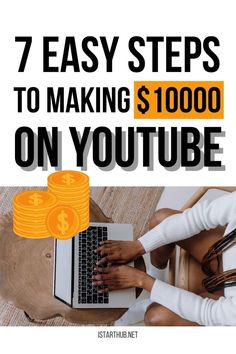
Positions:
{"x": 204, "y": 311}
{"x": 204, "y": 215}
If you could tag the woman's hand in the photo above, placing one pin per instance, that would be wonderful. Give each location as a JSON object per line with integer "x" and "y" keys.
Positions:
{"x": 119, "y": 251}
{"x": 122, "y": 277}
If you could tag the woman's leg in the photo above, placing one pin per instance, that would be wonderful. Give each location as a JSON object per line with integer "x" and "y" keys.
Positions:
{"x": 161, "y": 255}
{"x": 196, "y": 246}
{"x": 158, "y": 315}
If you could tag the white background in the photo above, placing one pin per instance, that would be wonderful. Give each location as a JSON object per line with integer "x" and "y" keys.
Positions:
{"x": 63, "y": 340}
{"x": 109, "y": 18}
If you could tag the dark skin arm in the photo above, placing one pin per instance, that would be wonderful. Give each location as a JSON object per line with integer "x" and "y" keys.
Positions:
{"x": 122, "y": 277}
{"x": 119, "y": 251}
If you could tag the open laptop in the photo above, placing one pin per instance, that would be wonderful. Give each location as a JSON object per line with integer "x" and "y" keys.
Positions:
{"x": 74, "y": 264}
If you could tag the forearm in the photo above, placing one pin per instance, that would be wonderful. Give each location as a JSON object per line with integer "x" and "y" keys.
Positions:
{"x": 194, "y": 308}
{"x": 203, "y": 216}
{"x": 186, "y": 304}
{"x": 139, "y": 248}
{"x": 145, "y": 281}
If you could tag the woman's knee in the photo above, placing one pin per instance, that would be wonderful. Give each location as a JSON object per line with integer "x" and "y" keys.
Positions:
{"x": 160, "y": 215}
{"x": 157, "y": 315}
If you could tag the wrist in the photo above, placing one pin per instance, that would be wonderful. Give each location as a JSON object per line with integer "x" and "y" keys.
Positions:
{"x": 139, "y": 248}
{"x": 148, "y": 282}
{"x": 145, "y": 281}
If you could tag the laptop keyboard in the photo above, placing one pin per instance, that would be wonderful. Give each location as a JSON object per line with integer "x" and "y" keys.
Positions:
{"x": 88, "y": 242}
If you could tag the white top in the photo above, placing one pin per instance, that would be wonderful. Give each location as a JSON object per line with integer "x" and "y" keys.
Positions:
{"x": 204, "y": 215}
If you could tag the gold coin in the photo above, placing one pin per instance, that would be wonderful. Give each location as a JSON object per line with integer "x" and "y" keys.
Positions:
{"x": 27, "y": 226}
{"x": 61, "y": 189}
{"x": 70, "y": 188}
{"x": 22, "y": 224}
{"x": 68, "y": 179}
{"x": 83, "y": 215}
{"x": 30, "y": 214}
{"x": 30, "y": 234}
{"x": 83, "y": 227}
{"x": 63, "y": 222}
{"x": 83, "y": 205}
{"x": 84, "y": 224}
{"x": 73, "y": 197}
{"x": 84, "y": 221}
{"x": 29, "y": 221}
{"x": 77, "y": 201}
{"x": 34, "y": 200}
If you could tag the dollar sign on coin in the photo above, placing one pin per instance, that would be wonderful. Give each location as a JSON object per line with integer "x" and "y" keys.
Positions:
{"x": 63, "y": 222}
{"x": 35, "y": 199}
{"x": 62, "y": 218}
{"x": 68, "y": 179}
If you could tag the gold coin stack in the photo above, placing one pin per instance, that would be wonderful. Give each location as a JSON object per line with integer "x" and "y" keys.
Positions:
{"x": 30, "y": 210}
{"x": 72, "y": 189}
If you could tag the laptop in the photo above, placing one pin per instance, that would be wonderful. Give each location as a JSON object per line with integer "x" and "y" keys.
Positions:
{"x": 74, "y": 264}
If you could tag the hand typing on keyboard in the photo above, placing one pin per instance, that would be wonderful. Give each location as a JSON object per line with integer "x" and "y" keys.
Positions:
{"x": 119, "y": 251}
{"x": 121, "y": 277}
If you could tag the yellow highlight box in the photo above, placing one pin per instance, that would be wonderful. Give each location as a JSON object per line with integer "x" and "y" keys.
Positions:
{"x": 178, "y": 99}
